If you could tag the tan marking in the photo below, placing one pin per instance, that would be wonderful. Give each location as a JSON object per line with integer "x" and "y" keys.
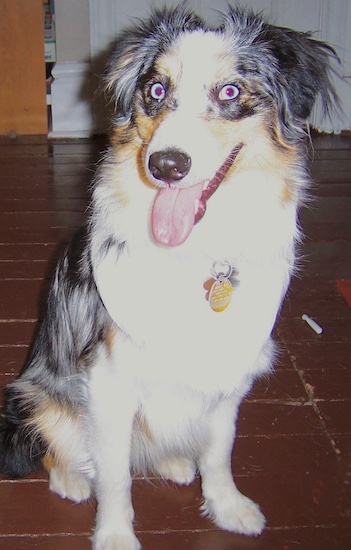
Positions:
{"x": 148, "y": 125}
{"x": 286, "y": 196}
{"x": 170, "y": 65}
{"x": 110, "y": 339}
{"x": 117, "y": 173}
{"x": 143, "y": 428}
{"x": 141, "y": 170}
{"x": 49, "y": 461}
{"x": 57, "y": 424}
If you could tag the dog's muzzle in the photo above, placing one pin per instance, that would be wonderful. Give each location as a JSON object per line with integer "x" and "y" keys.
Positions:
{"x": 178, "y": 208}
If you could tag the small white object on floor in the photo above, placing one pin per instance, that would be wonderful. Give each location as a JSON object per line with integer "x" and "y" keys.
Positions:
{"x": 315, "y": 326}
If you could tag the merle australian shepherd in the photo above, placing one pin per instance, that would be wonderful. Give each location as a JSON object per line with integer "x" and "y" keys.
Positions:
{"x": 160, "y": 313}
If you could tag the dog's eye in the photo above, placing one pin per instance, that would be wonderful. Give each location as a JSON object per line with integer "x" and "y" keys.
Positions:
{"x": 157, "y": 91}
{"x": 228, "y": 92}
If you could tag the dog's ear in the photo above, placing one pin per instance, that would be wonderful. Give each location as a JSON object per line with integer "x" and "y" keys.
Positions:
{"x": 292, "y": 67}
{"x": 132, "y": 55}
{"x": 135, "y": 51}
{"x": 305, "y": 70}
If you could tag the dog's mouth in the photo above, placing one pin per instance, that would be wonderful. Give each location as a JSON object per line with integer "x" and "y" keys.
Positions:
{"x": 177, "y": 209}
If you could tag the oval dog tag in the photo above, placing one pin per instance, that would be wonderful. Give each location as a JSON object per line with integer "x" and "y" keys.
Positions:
{"x": 220, "y": 295}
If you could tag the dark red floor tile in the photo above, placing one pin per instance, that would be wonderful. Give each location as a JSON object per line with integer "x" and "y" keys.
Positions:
{"x": 322, "y": 538}
{"x": 320, "y": 355}
{"x": 329, "y": 259}
{"x": 282, "y": 385}
{"x": 297, "y": 480}
{"x": 343, "y": 448}
{"x": 27, "y": 252}
{"x": 311, "y": 285}
{"x": 331, "y": 538}
{"x": 332, "y": 189}
{"x": 17, "y": 333}
{"x": 43, "y": 205}
{"x": 322, "y": 231}
{"x": 327, "y": 210}
{"x": 37, "y": 235}
{"x": 68, "y": 542}
{"x": 41, "y": 221}
{"x": 40, "y": 511}
{"x": 24, "y": 270}
{"x": 336, "y": 416}
{"x": 12, "y": 359}
{"x": 341, "y": 164}
{"x": 22, "y": 299}
{"x": 328, "y": 384}
{"x": 326, "y": 304}
{"x": 272, "y": 419}
{"x": 46, "y": 188}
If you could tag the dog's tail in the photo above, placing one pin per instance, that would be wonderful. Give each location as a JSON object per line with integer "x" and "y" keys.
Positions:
{"x": 52, "y": 385}
{"x": 21, "y": 448}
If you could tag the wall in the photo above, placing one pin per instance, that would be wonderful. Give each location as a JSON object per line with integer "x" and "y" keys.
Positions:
{"x": 72, "y": 111}
{"x": 72, "y": 30}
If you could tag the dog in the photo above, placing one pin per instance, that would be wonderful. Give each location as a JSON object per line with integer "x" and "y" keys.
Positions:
{"x": 161, "y": 310}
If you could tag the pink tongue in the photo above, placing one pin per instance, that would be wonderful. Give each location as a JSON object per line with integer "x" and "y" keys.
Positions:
{"x": 173, "y": 214}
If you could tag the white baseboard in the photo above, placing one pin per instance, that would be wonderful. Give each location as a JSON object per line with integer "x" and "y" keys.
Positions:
{"x": 71, "y": 100}
{"x": 74, "y": 134}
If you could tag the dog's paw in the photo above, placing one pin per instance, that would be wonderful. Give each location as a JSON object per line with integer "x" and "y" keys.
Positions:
{"x": 73, "y": 487}
{"x": 179, "y": 470}
{"x": 115, "y": 541}
{"x": 236, "y": 513}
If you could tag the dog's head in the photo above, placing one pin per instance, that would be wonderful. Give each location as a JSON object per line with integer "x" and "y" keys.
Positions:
{"x": 196, "y": 98}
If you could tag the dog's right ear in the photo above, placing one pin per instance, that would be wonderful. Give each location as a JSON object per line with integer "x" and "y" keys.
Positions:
{"x": 127, "y": 63}
{"x": 135, "y": 51}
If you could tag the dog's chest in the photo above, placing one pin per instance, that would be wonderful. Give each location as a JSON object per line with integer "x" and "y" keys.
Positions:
{"x": 160, "y": 304}
{"x": 151, "y": 295}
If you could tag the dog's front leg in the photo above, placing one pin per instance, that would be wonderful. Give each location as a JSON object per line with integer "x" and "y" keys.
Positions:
{"x": 223, "y": 502}
{"x": 113, "y": 408}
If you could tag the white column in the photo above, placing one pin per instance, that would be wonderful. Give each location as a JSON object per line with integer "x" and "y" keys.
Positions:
{"x": 71, "y": 100}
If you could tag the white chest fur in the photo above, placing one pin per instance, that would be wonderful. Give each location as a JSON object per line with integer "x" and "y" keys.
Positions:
{"x": 167, "y": 328}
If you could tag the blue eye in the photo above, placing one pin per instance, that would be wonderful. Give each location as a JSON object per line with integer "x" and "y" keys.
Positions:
{"x": 228, "y": 92}
{"x": 158, "y": 91}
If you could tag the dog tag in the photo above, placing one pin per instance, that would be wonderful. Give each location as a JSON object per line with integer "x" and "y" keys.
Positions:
{"x": 220, "y": 295}
{"x": 220, "y": 287}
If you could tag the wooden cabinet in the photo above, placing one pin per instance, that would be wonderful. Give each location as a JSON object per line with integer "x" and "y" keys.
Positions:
{"x": 23, "y": 107}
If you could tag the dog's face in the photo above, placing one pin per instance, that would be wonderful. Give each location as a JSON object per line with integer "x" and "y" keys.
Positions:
{"x": 201, "y": 104}
{"x": 194, "y": 115}
{"x": 187, "y": 104}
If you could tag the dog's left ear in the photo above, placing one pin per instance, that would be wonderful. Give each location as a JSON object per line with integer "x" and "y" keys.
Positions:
{"x": 305, "y": 69}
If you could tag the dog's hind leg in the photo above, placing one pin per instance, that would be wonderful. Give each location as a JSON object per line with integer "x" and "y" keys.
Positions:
{"x": 180, "y": 470}
{"x": 223, "y": 502}
{"x": 65, "y": 483}
{"x": 67, "y": 459}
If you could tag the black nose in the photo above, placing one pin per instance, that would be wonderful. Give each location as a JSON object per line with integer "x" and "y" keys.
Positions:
{"x": 170, "y": 165}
